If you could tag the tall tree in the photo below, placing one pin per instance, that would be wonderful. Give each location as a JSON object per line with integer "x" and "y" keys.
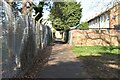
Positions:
{"x": 39, "y": 9}
{"x": 65, "y": 15}
{"x": 24, "y": 6}
{"x": 84, "y": 25}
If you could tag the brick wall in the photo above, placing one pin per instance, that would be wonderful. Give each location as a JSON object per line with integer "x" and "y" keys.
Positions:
{"x": 95, "y": 37}
{"x": 114, "y": 16}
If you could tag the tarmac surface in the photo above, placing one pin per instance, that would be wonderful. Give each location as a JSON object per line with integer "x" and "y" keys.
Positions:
{"x": 63, "y": 64}
{"x": 60, "y": 62}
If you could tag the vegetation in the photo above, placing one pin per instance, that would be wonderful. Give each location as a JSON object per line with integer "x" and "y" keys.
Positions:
{"x": 100, "y": 61}
{"x": 95, "y": 50}
{"x": 84, "y": 25}
{"x": 38, "y": 9}
{"x": 65, "y": 15}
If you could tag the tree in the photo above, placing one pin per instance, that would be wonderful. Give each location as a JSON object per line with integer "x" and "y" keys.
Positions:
{"x": 84, "y": 25}
{"x": 65, "y": 15}
{"x": 38, "y": 9}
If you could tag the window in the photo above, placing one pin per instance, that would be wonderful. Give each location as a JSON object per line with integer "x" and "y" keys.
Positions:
{"x": 101, "y": 18}
{"x": 104, "y": 18}
{"x": 97, "y": 20}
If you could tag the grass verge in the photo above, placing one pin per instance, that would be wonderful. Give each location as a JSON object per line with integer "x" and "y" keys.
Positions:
{"x": 100, "y": 61}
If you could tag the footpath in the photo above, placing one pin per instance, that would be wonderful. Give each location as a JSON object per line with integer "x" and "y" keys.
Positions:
{"x": 62, "y": 63}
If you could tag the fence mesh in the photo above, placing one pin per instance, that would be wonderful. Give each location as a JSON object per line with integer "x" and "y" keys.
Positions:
{"x": 20, "y": 38}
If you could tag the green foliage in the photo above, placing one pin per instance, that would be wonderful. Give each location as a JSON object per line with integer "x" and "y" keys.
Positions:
{"x": 38, "y": 9}
{"x": 95, "y": 50}
{"x": 100, "y": 61}
{"x": 65, "y": 15}
{"x": 84, "y": 25}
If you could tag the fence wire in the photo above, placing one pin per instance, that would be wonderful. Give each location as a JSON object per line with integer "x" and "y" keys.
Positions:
{"x": 20, "y": 38}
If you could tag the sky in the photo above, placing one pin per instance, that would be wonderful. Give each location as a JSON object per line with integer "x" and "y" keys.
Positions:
{"x": 90, "y": 8}
{"x": 93, "y": 7}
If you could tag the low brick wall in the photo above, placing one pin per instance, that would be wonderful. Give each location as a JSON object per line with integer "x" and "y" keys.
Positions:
{"x": 95, "y": 37}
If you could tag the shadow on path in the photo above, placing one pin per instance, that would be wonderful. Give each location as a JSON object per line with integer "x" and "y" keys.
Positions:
{"x": 62, "y": 64}
{"x": 62, "y": 69}
{"x": 57, "y": 61}
{"x": 104, "y": 66}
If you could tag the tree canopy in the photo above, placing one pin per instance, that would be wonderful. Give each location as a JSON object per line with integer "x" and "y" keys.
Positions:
{"x": 65, "y": 15}
{"x": 38, "y": 9}
{"x": 84, "y": 25}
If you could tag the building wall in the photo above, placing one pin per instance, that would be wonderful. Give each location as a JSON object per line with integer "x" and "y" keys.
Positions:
{"x": 94, "y": 23}
{"x": 58, "y": 35}
{"x": 115, "y": 16}
{"x": 119, "y": 14}
{"x": 102, "y": 21}
{"x": 107, "y": 19}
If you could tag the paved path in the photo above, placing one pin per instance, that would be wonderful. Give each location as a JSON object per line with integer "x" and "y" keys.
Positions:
{"x": 63, "y": 64}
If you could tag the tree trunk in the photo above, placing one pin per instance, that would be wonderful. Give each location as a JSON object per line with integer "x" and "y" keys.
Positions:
{"x": 24, "y": 9}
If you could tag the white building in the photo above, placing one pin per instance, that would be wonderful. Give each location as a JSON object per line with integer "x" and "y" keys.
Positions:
{"x": 107, "y": 19}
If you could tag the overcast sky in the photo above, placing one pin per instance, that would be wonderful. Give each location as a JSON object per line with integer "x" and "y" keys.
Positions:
{"x": 90, "y": 7}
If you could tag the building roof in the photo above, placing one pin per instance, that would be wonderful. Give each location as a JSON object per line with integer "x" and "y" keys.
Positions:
{"x": 100, "y": 13}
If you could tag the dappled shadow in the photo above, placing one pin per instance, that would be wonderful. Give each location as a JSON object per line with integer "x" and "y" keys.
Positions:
{"x": 59, "y": 46}
{"x": 40, "y": 60}
{"x": 106, "y": 65}
{"x": 64, "y": 69}
{"x": 60, "y": 64}
{"x": 58, "y": 42}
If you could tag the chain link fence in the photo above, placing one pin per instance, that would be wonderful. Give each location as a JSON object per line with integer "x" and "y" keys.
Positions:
{"x": 20, "y": 39}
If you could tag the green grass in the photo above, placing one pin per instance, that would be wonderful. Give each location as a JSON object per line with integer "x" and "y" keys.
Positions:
{"x": 95, "y": 50}
{"x": 97, "y": 60}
